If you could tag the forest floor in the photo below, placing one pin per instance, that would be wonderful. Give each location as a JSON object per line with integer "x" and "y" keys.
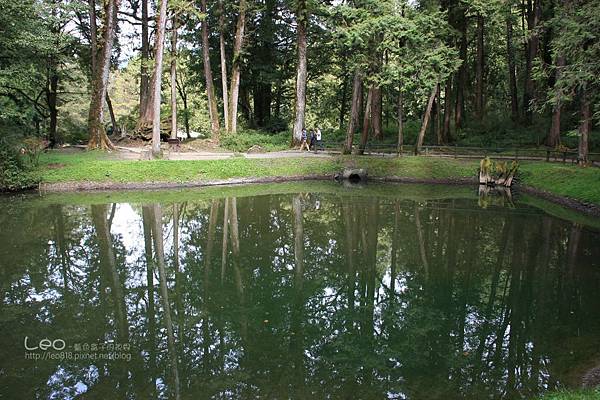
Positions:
{"x": 73, "y": 169}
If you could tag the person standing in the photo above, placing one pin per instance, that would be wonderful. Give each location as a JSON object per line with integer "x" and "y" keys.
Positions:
{"x": 304, "y": 143}
{"x": 318, "y": 143}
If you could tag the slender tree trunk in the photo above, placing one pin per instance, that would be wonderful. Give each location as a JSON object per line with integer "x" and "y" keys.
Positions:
{"x": 161, "y": 24}
{"x": 425, "y": 120}
{"x": 235, "y": 70}
{"x": 534, "y": 14}
{"x": 553, "y": 138}
{"x": 98, "y": 138}
{"x": 376, "y": 113}
{"x": 213, "y": 111}
{"x": 174, "y": 77}
{"x": 302, "y": 19}
{"x": 400, "y": 121}
{"x": 354, "y": 111}
{"x": 111, "y": 113}
{"x": 223, "y": 65}
{"x": 512, "y": 71}
{"x": 364, "y": 137}
{"x": 461, "y": 79}
{"x": 51, "y": 99}
{"x": 447, "y": 111}
{"x": 584, "y": 128}
{"x": 479, "y": 68}
{"x": 144, "y": 79}
{"x": 344, "y": 101}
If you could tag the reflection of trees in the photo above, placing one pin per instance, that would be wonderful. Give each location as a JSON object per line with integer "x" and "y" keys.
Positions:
{"x": 275, "y": 298}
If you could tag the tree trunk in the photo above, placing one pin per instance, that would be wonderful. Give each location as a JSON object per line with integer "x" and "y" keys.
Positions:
{"x": 344, "y": 101}
{"x": 174, "y": 78}
{"x": 161, "y": 24}
{"x": 111, "y": 113}
{"x": 213, "y": 111}
{"x": 144, "y": 79}
{"x": 376, "y": 113}
{"x": 584, "y": 128}
{"x": 534, "y": 14}
{"x": 51, "y": 99}
{"x": 425, "y": 120}
{"x": 479, "y": 68}
{"x": 235, "y": 70}
{"x": 447, "y": 111}
{"x": 512, "y": 72}
{"x": 364, "y": 137}
{"x": 223, "y": 65}
{"x": 98, "y": 138}
{"x": 400, "y": 122}
{"x": 553, "y": 138}
{"x": 461, "y": 79}
{"x": 354, "y": 111}
{"x": 302, "y": 18}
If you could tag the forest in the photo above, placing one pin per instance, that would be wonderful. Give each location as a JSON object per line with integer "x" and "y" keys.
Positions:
{"x": 497, "y": 73}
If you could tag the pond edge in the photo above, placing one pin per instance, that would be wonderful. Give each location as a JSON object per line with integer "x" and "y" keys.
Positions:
{"x": 62, "y": 187}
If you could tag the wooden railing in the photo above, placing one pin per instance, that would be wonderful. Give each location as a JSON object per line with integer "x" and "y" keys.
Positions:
{"x": 539, "y": 154}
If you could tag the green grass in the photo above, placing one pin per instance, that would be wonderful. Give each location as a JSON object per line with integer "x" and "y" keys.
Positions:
{"x": 582, "y": 394}
{"x": 564, "y": 180}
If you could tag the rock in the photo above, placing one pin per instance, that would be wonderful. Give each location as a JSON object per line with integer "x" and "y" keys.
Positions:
{"x": 591, "y": 379}
{"x": 255, "y": 149}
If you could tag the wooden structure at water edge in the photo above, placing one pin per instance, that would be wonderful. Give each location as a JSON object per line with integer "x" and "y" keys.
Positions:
{"x": 499, "y": 173}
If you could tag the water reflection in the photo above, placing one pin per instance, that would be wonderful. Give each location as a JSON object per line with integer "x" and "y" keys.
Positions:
{"x": 302, "y": 295}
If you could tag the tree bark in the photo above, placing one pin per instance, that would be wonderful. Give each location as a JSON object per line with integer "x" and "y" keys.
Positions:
{"x": 376, "y": 113}
{"x": 479, "y": 68}
{"x": 51, "y": 99}
{"x": 364, "y": 137}
{"x": 98, "y": 138}
{"x": 223, "y": 65}
{"x": 235, "y": 70}
{"x": 343, "y": 110}
{"x": 144, "y": 79}
{"x": 354, "y": 111}
{"x": 174, "y": 78}
{"x": 161, "y": 24}
{"x": 553, "y": 138}
{"x": 210, "y": 91}
{"x": 512, "y": 71}
{"x": 534, "y": 14}
{"x": 425, "y": 120}
{"x": 461, "y": 79}
{"x": 447, "y": 111}
{"x": 302, "y": 19}
{"x": 111, "y": 113}
{"x": 584, "y": 128}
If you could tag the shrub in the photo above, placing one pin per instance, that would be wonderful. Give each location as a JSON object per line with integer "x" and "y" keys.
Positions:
{"x": 15, "y": 174}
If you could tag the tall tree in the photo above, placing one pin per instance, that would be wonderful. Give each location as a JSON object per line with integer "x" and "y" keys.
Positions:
{"x": 354, "y": 111}
{"x": 98, "y": 138}
{"x": 161, "y": 24}
{"x": 533, "y": 11}
{"x": 426, "y": 117}
{"x": 174, "y": 76}
{"x": 302, "y": 73}
{"x": 223, "y": 64}
{"x": 145, "y": 53}
{"x": 210, "y": 91}
{"x": 236, "y": 65}
{"x": 512, "y": 69}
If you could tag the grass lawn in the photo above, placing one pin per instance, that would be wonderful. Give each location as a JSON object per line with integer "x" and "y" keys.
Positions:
{"x": 564, "y": 180}
{"x": 589, "y": 394}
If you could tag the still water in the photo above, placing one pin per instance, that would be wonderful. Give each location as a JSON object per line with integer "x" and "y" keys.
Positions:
{"x": 294, "y": 291}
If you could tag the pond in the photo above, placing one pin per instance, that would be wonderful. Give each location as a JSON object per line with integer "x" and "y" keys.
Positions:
{"x": 299, "y": 291}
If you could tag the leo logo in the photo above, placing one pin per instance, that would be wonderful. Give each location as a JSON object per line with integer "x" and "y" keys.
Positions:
{"x": 45, "y": 344}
